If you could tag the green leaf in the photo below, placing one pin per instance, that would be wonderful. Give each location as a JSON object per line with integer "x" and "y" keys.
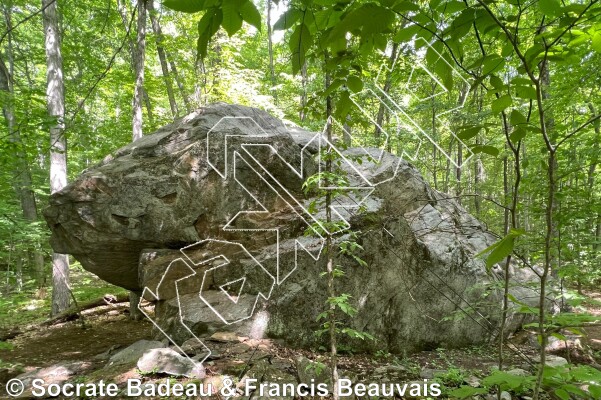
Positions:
{"x": 250, "y": 14}
{"x": 462, "y": 24}
{"x": 517, "y": 118}
{"x": 299, "y": 44}
{"x": 496, "y": 82}
{"x": 451, "y": 7}
{"x": 507, "y": 49}
{"x": 404, "y": 6}
{"x": 469, "y": 132}
{"x": 354, "y": 83}
{"x": 406, "y": 34}
{"x": 525, "y": 92}
{"x": 506, "y": 380}
{"x": 596, "y": 41}
{"x": 467, "y": 391}
{"x": 492, "y": 63}
{"x": 518, "y": 134}
{"x": 550, "y": 8}
{"x": 595, "y": 390}
{"x": 187, "y": 6}
{"x": 343, "y": 105}
{"x": 481, "y": 148}
{"x": 232, "y": 21}
{"x": 501, "y": 249}
{"x": 562, "y": 394}
{"x": 207, "y": 27}
{"x": 288, "y": 19}
{"x": 370, "y": 18}
{"x": 333, "y": 87}
{"x": 501, "y": 103}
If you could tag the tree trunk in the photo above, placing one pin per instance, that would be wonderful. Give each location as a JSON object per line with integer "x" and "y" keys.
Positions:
{"x": 132, "y": 52}
{"x": 134, "y": 311}
{"x": 434, "y": 137}
{"x": 550, "y": 250}
{"x": 303, "y": 99}
{"x": 461, "y": 100}
{"x": 270, "y": 49}
{"x": 23, "y": 185}
{"x": 478, "y": 172}
{"x": 347, "y": 134}
{"x": 329, "y": 245}
{"x": 595, "y": 221}
{"x": 387, "y": 87}
{"x": 55, "y": 94}
{"x": 447, "y": 172}
{"x": 158, "y": 33}
{"x": 140, "y": 55}
{"x": 180, "y": 83}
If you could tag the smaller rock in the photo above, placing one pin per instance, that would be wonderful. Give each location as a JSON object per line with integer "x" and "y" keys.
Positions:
{"x": 132, "y": 353}
{"x": 108, "y": 354}
{"x": 54, "y": 374}
{"x": 216, "y": 382}
{"x": 224, "y": 337}
{"x": 380, "y": 370}
{"x": 428, "y": 373}
{"x": 168, "y": 361}
{"x": 505, "y": 396}
{"x": 397, "y": 368}
{"x": 518, "y": 372}
{"x": 555, "y": 361}
{"x": 238, "y": 348}
{"x": 7, "y": 374}
{"x": 473, "y": 381}
{"x": 194, "y": 347}
{"x": 310, "y": 371}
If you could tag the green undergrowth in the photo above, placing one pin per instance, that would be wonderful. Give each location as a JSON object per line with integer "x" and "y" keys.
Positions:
{"x": 31, "y": 306}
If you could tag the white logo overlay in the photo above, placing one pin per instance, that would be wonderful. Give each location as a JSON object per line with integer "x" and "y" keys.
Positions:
{"x": 225, "y": 158}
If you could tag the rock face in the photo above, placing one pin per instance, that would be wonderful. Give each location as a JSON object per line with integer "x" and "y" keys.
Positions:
{"x": 225, "y": 185}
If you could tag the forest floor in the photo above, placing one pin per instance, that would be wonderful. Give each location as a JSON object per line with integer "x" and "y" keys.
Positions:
{"x": 108, "y": 327}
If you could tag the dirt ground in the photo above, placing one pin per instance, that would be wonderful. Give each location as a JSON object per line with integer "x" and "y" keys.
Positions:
{"x": 70, "y": 341}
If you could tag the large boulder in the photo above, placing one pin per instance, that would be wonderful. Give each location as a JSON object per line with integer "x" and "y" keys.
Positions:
{"x": 209, "y": 218}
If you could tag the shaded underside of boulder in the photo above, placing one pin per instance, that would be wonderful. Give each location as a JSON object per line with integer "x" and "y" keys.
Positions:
{"x": 127, "y": 218}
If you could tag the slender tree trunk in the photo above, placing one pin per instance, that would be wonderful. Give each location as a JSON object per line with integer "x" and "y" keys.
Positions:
{"x": 330, "y": 248}
{"x": 158, "y": 33}
{"x": 180, "y": 83}
{"x": 435, "y": 137}
{"x": 303, "y": 99}
{"x": 511, "y": 222}
{"x": 347, "y": 132}
{"x": 506, "y": 194}
{"x": 132, "y": 52}
{"x": 386, "y": 89}
{"x": 270, "y": 48}
{"x": 597, "y": 244}
{"x": 461, "y": 100}
{"x": 478, "y": 167}
{"x": 134, "y": 311}
{"x": 459, "y": 189}
{"x": 595, "y": 221}
{"x": 140, "y": 56}
{"x": 55, "y": 94}
{"x": 23, "y": 184}
{"x": 478, "y": 170}
{"x": 447, "y": 173}
{"x": 137, "y": 121}
{"x": 550, "y": 250}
